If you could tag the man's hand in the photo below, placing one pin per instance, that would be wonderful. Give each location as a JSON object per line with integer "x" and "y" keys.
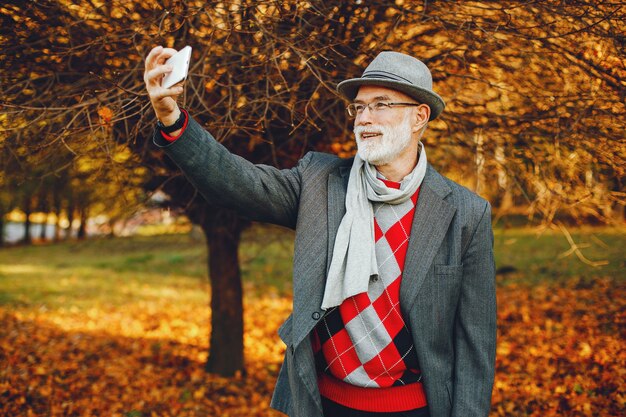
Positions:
{"x": 163, "y": 99}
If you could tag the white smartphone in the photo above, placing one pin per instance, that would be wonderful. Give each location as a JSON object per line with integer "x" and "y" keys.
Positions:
{"x": 180, "y": 64}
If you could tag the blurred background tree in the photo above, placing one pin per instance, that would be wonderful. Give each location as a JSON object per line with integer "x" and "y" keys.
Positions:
{"x": 534, "y": 120}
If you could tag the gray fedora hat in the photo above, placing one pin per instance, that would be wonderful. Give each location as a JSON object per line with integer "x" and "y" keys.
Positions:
{"x": 400, "y": 72}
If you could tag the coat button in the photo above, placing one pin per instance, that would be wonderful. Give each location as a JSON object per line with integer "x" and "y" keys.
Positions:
{"x": 316, "y": 315}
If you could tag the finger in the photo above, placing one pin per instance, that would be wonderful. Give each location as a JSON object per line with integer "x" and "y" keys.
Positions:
{"x": 154, "y": 76}
{"x": 152, "y": 57}
{"x": 175, "y": 90}
{"x": 157, "y": 94}
{"x": 158, "y": 55}
{"x": 180, "y": 84}
{"x": 165, "y": 54}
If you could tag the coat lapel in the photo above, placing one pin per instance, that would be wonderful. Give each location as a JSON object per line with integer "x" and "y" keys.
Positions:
{"x": 308, "y": 294}
{"x": 337, "y": 186}
{"x": 309, "y": 287}
{"x": 430, "y": 224}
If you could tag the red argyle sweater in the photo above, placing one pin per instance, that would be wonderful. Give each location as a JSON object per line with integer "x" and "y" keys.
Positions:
{"x": 364, "y": 351}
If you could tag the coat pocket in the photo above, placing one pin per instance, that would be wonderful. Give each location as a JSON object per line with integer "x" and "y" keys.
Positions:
{"x": 449, "y": 270}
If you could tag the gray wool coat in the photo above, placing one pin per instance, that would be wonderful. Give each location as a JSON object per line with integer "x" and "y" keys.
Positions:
{"x": 447, "y": 293}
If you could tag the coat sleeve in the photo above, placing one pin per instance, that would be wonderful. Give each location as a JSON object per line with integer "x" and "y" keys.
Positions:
{"x": 475, "y": 325}
{"x": 259, "y": 192}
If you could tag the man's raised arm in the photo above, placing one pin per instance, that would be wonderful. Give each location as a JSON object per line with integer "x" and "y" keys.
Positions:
{"x": 260, "y": 192}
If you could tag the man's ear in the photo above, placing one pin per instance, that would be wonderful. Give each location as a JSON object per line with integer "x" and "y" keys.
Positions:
{"x": 422, "y": 114}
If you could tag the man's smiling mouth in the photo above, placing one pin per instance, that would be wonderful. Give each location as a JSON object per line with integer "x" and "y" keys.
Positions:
{"x": 369, "y": 135}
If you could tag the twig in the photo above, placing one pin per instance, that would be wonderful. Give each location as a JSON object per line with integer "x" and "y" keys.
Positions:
{"x": 575, "y": 248}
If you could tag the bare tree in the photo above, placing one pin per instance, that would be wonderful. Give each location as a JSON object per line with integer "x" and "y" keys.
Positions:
{"x": 535, "y": 94}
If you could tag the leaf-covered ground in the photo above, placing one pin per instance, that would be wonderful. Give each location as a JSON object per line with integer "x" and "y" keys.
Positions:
{"x": 561, "y": 350}
{"x": 87, "y": 335}
{"x": 560, "y": 353}
{"x": 141, "y": 360}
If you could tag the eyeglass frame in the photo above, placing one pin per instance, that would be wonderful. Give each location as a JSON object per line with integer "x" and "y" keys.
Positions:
{"x": 385, "y": 106}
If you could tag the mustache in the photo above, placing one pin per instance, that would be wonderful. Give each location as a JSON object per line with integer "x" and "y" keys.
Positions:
{"x": 359, "y": 130}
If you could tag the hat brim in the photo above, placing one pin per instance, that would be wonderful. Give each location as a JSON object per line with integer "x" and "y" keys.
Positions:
{"x": 350, "y": 88}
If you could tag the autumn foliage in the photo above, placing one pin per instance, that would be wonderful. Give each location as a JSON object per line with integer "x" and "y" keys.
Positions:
{"x": 560, "y": 350}
{"x": 535, "y": 121}
{"x": 534, "y": 90}
{"x": 133, "y": 361}
{"x": 560, "y": 353}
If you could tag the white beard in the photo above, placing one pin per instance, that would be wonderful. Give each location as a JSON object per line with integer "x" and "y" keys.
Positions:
{"x": 384, "y": 149}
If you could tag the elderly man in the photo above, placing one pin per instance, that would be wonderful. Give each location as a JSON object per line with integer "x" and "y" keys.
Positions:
{"x": 394, "y": 310}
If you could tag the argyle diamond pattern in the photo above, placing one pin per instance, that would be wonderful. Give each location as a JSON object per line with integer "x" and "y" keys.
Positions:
{"x": 365, "y": 341}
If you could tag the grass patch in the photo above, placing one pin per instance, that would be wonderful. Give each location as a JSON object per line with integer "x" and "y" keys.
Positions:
{"x": 136, "y": 269}
{"x": 141, "y": 268}
{"x": 524, "y": 255}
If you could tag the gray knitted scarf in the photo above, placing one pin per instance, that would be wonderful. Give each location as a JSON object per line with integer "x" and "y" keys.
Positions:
{"x": 354, "y": 258}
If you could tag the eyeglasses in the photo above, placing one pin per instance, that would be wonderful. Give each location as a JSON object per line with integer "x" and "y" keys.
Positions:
{"x": 355, "y": 109}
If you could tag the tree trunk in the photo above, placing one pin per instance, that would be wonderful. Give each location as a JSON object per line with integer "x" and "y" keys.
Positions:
{"x": 43, "y": 207}
{"x": 70, "y": 219}
{"x": 505, "y": 203}
{"x": 479, "y": 159}
{"x": 1, "y": 228}
{"x": 82, "y": 229}
{"x": 27, "y": 211}
{"x": 57, "y": 223}
{"x": 44, "y": 226}
{"x": 223, "y": 229}
{"x": 112, "y": 223}
{"x": 57, "y": 205}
